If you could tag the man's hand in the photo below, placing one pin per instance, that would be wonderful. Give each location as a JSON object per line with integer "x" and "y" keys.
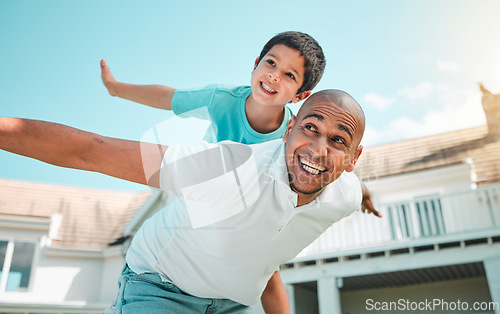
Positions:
{"x": 108, "y": 79}
{"x": 367, "y": 204}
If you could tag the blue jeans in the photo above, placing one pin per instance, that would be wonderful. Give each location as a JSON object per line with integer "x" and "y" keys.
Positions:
{"x": 148, "y": 293}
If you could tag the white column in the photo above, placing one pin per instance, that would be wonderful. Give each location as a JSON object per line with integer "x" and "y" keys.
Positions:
{"x": 492, "y": 268}
{"x": 290, "y": 291}
{"x": 329, "y": 296}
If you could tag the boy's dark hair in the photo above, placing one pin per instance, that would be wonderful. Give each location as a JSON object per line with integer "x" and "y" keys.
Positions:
{"x": 309, "y": 48}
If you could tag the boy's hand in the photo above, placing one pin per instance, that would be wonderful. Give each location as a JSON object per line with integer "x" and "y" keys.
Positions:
{"x": 367, "y": 204}
{"x": 156, "y": 96}
{"x": 107, "y": 78}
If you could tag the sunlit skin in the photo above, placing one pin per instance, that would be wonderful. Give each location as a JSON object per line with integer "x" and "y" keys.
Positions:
{"x": 322, "y": 142}
{"x": 277, "y": 78}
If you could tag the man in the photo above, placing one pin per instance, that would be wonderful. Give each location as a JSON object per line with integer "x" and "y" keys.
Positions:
{"x": 241, "y": 210}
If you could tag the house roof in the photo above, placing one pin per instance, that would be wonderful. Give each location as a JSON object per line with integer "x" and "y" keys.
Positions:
{"x": 434, "y": 151}
{"x": 91, "y": 218}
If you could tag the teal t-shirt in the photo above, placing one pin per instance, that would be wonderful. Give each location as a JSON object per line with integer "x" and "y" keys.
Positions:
{"x": 224, "y": 107}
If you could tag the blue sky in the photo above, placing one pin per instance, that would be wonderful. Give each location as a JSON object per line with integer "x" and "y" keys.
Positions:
{"x": 413, "y": 65}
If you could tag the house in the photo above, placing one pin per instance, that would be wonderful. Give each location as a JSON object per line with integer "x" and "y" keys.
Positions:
{"x": 436, "y": 249}
{"x": 56, "y": 246}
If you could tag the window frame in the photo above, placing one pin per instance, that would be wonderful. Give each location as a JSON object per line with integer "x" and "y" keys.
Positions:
{"x": 7, "y": 263}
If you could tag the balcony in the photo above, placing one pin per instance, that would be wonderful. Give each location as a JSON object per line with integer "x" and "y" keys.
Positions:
{"x": 457, "y": 219}
{"x": 443, "y": 247}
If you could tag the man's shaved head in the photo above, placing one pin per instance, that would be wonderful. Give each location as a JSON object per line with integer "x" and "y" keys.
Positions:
{"x": 336, "y": 98}
{"x": 322, "y": 142}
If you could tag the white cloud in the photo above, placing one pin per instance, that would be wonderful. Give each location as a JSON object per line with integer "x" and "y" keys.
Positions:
{"x": 373, "y": 136}
{"x": 420, "y": 91}
{"x": 445, "y": 94}
{"x": 447, "y": 66}
{"x": 461, "y": 111}
{"x": 378, "y": 101}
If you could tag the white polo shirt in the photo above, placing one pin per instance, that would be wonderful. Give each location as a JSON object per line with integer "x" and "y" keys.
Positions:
{"x": 235, "y": 219}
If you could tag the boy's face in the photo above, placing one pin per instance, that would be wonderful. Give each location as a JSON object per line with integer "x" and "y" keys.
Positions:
{"x": 278, "y": 76}
{"x": 321, "y": 143}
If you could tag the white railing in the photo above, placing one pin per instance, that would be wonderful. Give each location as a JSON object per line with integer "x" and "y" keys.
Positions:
{"x": 406, "y": 221}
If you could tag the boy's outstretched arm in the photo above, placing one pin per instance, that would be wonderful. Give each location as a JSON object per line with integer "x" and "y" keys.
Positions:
{"x": 156, "y": 96}
{"x": 65, "y": 146}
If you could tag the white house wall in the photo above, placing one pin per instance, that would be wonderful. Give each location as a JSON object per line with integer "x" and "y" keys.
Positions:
{"x": 111, "y": 270}
{"x": 72, "y": 277}
{"x": 441, "y": 180}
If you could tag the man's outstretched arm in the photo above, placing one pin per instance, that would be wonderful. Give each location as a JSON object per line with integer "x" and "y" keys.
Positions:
{"x": 65, "y": 146}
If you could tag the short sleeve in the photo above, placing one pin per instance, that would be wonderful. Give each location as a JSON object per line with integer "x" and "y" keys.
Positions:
{"x": 193, "y": 102}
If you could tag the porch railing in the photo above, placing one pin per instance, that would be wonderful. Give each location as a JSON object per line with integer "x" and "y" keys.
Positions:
{"x": 409, "y": 220}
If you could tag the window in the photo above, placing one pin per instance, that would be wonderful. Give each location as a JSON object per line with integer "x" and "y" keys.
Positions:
{"x": 16, "y": 259}
{"x": 421, "y": 218}
{"x": 430, "y": 216}
{"x": 400, "y": 221}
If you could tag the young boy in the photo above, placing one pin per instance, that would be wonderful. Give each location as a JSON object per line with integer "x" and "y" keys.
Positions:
{"x": 288, "y": 68}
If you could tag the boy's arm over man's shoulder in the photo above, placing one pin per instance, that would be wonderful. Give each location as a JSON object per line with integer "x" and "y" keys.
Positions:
{"x": 156, "y": 96}
{"x": 367, "y": 204}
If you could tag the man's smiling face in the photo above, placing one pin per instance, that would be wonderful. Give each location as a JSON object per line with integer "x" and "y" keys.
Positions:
{"x": 322, "y": 142}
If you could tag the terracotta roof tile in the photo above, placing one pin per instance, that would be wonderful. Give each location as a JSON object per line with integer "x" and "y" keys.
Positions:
{"x": 90, "y": 217}
{"x": 434, "y": 151}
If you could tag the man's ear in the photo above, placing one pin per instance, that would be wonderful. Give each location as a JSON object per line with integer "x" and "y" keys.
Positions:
{"x": 301, "y": 96}
{"x": 256, "y": 62}
{"x": 289, "y": 129}
{"x": 357, "y": 153}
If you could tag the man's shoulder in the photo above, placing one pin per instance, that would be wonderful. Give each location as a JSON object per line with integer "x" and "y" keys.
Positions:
{"x": 346, "y": 190}
{"x": 349, "y": 179}
{"x": 266, "y": 151}
{"x": 228, "y": 150}
{"x": 272, "y": 149}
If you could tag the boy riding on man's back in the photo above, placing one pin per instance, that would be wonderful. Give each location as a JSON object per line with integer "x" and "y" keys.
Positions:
{"x": 289, "y": 66}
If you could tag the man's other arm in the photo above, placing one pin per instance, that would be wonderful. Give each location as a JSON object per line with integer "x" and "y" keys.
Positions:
{"x": 274, "y": 298}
